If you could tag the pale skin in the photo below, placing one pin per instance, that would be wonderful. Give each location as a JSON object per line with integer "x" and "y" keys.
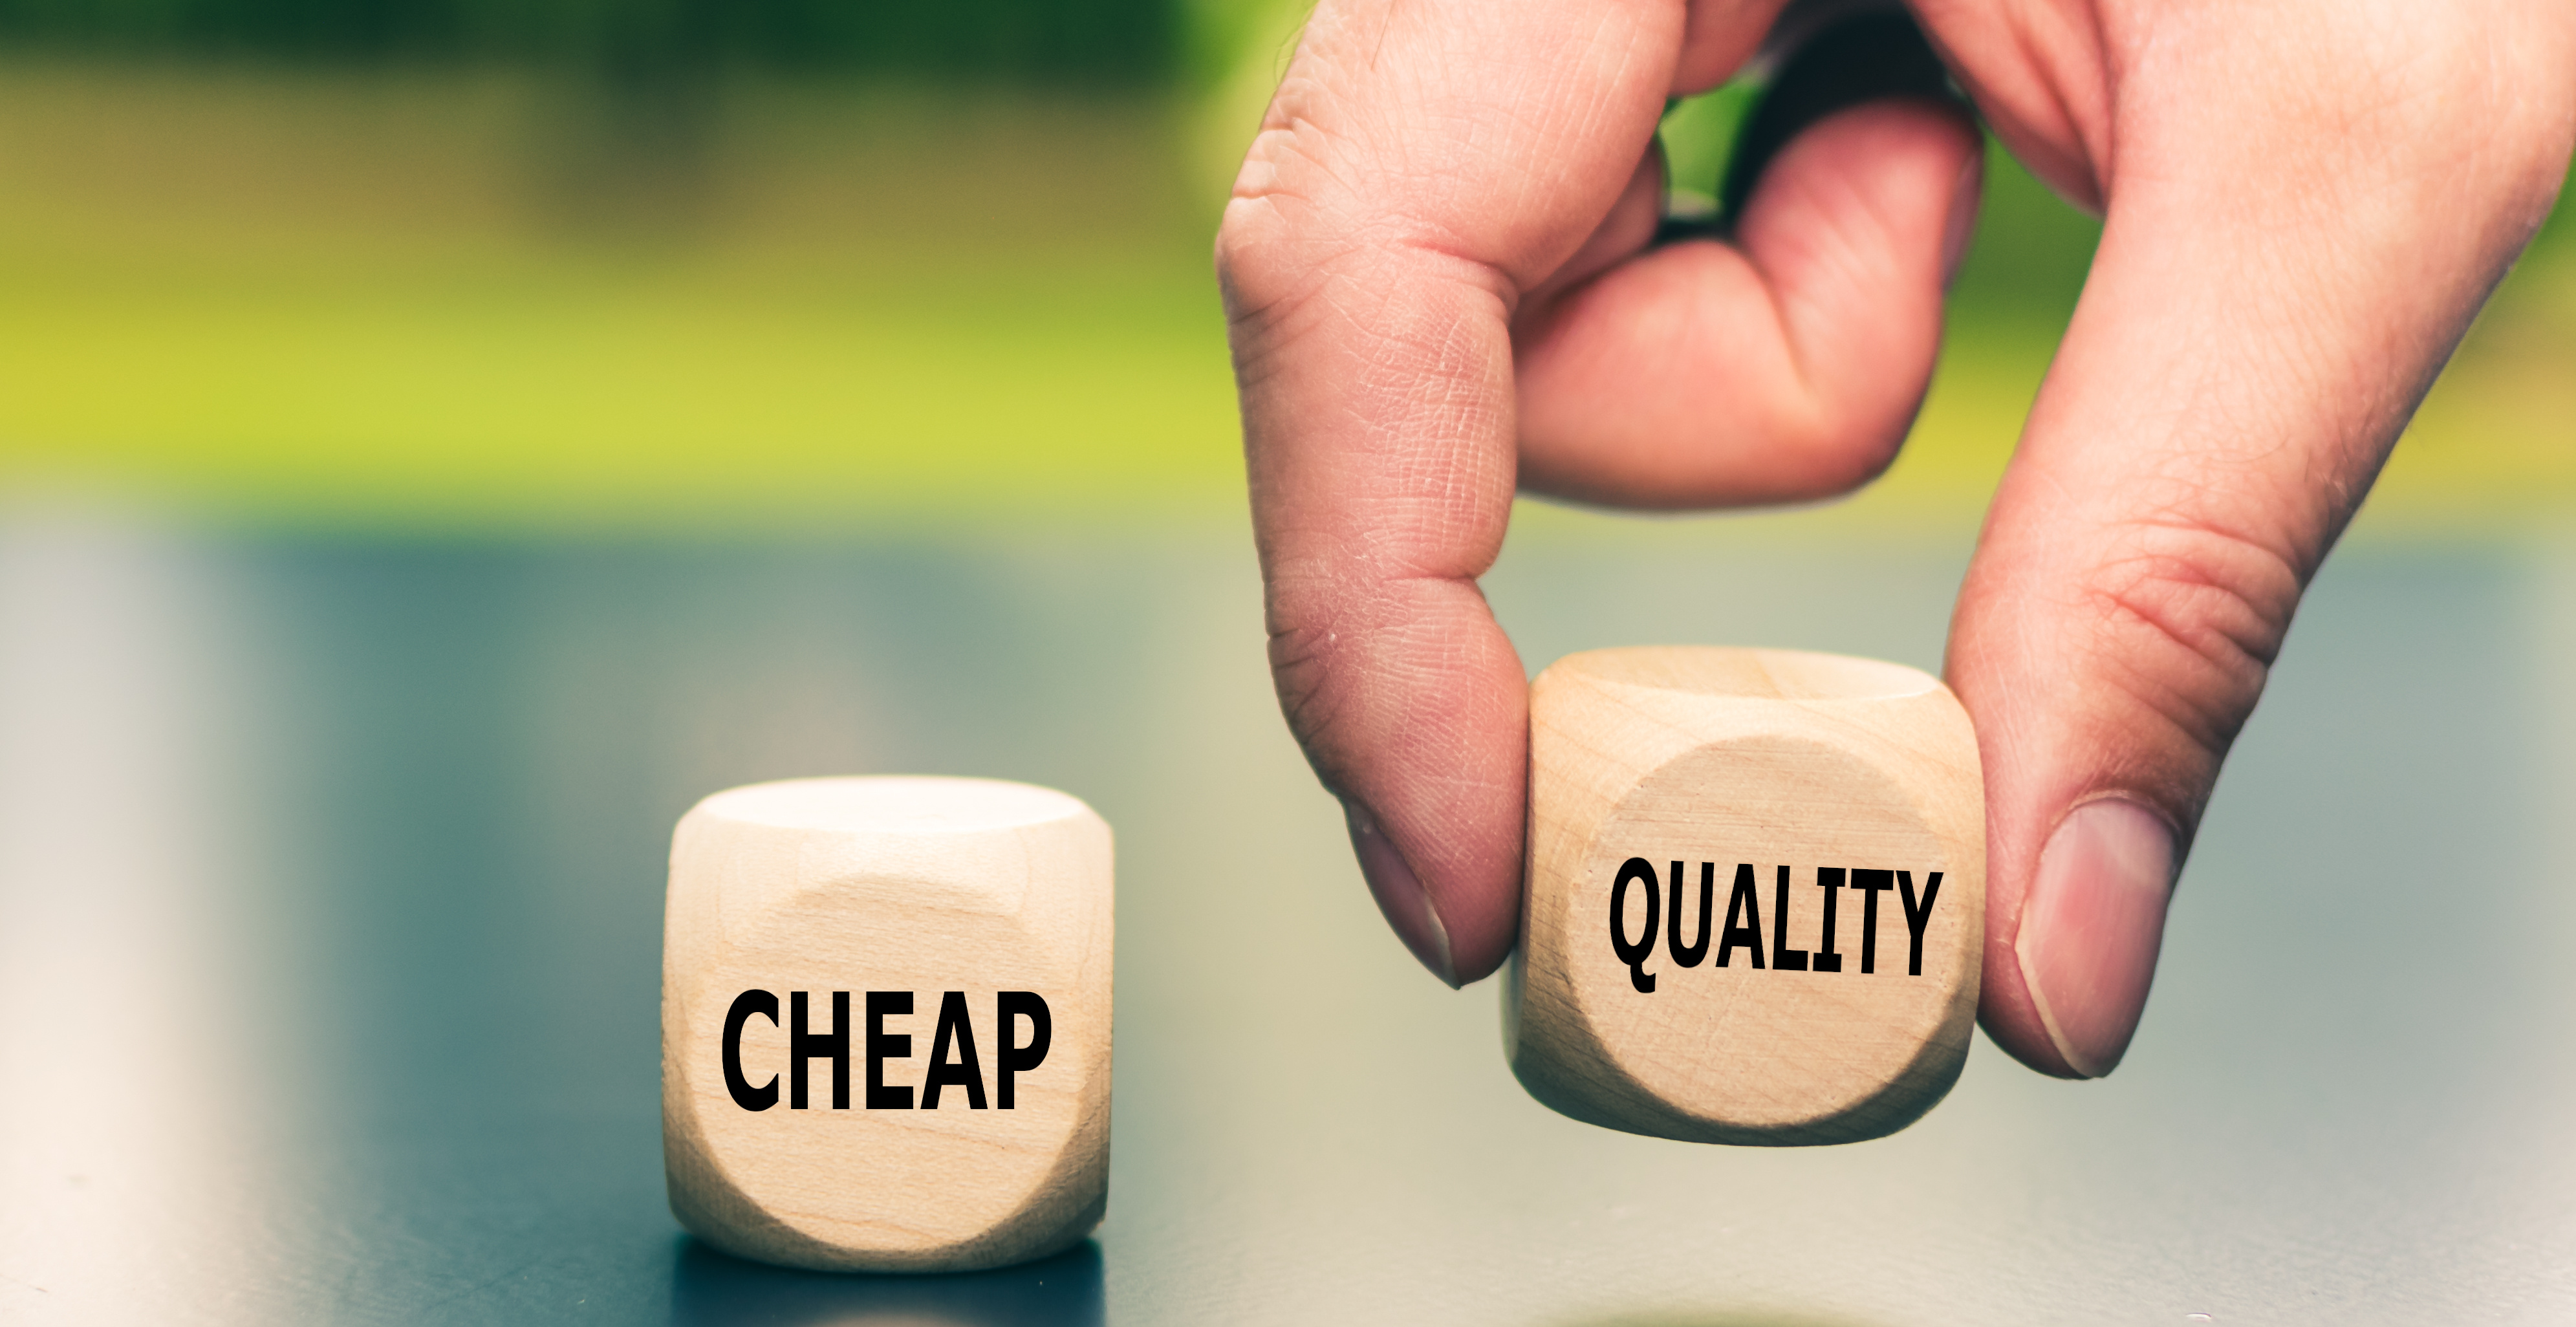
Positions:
{"x": 1437, "y": 271}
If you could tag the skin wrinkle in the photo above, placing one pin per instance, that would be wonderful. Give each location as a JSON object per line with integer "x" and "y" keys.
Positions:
{"x": 1307, "y": 315}
{"x": 1813, "y": 401}
{"x": 1511, "y": 109}
{"x": 2350, "y": 453}
{"x": 2286, "y": 260}
{"x": 1600, "y": 111}
{"x": 1285, "y": 133}
{"x": 2204, "y": 423}
{"x": 1311, "y": 712}
{"x": 1434, "y": 240}
{"x": 1624, "y": 230}
{"x": 1432, "y": 768}
{"x": 2242, "y": 655}
{"x": 2090, "y": 113}
{"x": 1393, "y": 356}
{"x": 1315, "y": 705}
{"x": 1816, "y": 247}
{"x": 2036, "y": 111}
{"x": 1259, "y": 314}
{"x": 1401, "y": 178}
{"x": 2175, "y": 608}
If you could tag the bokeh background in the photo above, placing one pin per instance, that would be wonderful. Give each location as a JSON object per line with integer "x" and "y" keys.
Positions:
{"x": 658, "y": 263}
{"x": 440, "y": 440}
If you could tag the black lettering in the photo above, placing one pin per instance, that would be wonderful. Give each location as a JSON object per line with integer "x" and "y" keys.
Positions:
{"x": 1870, "y": 884}
{"x": 744, "y": 1006}
{"x": 803, "y": 1045}
{"x": 1013, "y": 1059}
{"x": 1830, "y": 880}
{"x": 1635, "y": 869}
{"x": 1783, "y": 958}
{"x": 884, "y": 1045}
{"x": 1688, "y": 956}
{"x": 1748, "y": 933}
{"x": 967, "y": 1072}
{"x": 1917, "y": 918}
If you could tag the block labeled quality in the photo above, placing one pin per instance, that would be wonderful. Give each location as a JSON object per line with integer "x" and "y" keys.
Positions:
{"x": 885, "y": 1023}
{"x": 1755, "y": 900}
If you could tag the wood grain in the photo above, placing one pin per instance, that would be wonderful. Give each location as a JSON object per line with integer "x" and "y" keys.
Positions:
{"x": 1747, "y": 778}
{"x": 975, "y": 900}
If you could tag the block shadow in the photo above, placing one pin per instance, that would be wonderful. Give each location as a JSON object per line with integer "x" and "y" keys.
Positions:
{"x": 711, "y": 1289}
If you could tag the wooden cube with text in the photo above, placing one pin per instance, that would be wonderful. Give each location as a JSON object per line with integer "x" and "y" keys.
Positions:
{"x": 885, "y": 1022}
{"x": 1755, "y": 899}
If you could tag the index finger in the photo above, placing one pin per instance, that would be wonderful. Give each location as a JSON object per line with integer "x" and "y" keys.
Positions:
{"x": 1422, "y": 164}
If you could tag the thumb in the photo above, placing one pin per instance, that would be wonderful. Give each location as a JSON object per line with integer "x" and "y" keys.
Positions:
{"x": 2248, "y": 346}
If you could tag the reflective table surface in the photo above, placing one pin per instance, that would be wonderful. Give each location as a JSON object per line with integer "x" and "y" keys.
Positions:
{"x": 331, "y": 874}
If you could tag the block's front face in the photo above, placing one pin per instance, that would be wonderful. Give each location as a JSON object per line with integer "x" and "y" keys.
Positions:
{"x": 1764, "y": 930}
{"x": 887, "y": 1047}
{"x": 1806, "y": 998}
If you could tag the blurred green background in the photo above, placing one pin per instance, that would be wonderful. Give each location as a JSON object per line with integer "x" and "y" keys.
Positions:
{"x": 656, "y": 263}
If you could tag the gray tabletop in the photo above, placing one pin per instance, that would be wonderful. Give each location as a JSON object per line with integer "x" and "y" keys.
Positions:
{"x": 330, "y": 901}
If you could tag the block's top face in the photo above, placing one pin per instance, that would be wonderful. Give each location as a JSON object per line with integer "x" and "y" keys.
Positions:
{"x": 905, "y": 804}
{"x": 1710, "y": 670}
{"x": 876, "y": 842}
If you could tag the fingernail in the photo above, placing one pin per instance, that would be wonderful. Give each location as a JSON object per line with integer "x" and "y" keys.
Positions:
{"x": 2091, "y": 925}
{"x": 1962, "y": 225}
{"x": 1400, "y": 894}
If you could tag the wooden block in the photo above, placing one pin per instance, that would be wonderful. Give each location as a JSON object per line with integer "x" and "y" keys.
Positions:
{"x": 885, "y": 1023}
{"x": 1755, "y": 900}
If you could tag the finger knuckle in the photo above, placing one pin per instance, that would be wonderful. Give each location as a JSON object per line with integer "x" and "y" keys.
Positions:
{"x": 1309, "y": 612}
{"x": 1301, "y": 675}
{"x": 2189, "y": 618}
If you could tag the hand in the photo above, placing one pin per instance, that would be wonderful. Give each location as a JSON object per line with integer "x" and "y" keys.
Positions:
{"x": 1438, "y": 274}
